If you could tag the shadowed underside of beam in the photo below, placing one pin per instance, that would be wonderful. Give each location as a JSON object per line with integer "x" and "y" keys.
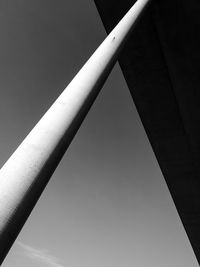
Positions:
{"x": 161, "y": 64}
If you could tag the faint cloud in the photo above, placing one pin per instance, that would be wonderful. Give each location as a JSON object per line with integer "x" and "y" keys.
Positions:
{"x": 41, "y": 255}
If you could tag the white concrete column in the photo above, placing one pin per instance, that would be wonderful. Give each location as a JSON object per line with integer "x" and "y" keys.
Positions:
{"x": 28, "y": 170}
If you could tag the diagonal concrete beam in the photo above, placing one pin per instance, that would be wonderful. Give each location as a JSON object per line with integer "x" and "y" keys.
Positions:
{"x": 26, "y": 173}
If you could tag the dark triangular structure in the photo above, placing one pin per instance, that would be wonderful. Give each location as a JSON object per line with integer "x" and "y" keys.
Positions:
{"x": 161, "y": 64}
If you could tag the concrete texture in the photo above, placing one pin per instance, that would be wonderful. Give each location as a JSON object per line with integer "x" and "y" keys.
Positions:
{"x": 161, "y": 64}
{"x": 25, "y": 175}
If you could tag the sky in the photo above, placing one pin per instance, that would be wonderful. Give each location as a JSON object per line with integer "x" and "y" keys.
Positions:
{"x": 107, "y": 203}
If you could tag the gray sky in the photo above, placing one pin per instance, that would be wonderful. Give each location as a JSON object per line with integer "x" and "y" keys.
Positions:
{"x": 107, "y": 203}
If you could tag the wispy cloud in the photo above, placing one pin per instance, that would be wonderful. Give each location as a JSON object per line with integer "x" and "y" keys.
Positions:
{"x": 40, "y": 255}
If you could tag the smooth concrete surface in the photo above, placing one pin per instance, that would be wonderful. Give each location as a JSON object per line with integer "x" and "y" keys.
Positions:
{"x": 25, "y": 175}
{"x": 161, "y": 64}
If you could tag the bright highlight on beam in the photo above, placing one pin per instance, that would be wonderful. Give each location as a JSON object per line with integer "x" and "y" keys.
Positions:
{"x": 26, "y": 173}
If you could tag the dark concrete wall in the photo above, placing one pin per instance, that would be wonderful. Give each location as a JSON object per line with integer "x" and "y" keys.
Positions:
{"x": 161, "y": 64}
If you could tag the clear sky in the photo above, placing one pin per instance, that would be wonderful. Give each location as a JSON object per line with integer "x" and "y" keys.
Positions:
{"x": 107, "y": 204}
